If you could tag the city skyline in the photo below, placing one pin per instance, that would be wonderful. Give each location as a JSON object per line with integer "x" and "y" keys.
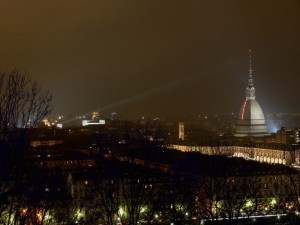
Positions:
{"x": 155, "y": 57}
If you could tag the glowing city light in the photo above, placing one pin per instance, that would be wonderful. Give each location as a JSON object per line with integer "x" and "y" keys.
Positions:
{"x": 121, "y": 211}
{"x": 249, "y": 203}
{"x": 273, "y": 202}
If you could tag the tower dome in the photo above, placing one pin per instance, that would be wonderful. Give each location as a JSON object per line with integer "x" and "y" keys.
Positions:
{"x": 251, "y": 120}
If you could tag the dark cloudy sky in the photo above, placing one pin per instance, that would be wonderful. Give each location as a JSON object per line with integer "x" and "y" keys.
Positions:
{"x": 155, "y": 57}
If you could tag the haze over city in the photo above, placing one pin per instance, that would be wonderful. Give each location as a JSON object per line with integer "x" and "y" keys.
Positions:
{"x": 149, "y": 112}
{"x": 155, "y": 57}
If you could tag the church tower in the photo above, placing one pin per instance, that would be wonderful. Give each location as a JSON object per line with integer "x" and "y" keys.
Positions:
{"x": 181, "y": 131}
{"x": 251, "y": 120}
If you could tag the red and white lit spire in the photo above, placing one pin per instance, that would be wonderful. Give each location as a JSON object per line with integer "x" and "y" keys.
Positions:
{"x": 251, "y": 120}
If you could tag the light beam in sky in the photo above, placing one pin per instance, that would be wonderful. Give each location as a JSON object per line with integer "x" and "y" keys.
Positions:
{"x": 154, "y": 91}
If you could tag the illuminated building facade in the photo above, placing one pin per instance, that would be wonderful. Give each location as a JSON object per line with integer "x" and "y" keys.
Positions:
{"x": 288, "y": 136}
{"x": 181, "y": 131}
{"x": 251, "y": 120}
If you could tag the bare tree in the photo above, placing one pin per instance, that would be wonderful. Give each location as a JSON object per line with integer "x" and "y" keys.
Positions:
{"x": 104, "y": 198}
{"x": 206, "y": 201}
{"x": 178, "y": 203}
{"x": 226, "y": 198}
{"x": 289, "y": 194}
{"x": 122, "y": 200}
{"x": 295, "y": 191}
{"x": 23, "y": 104}
{"x": 135, "y": 193}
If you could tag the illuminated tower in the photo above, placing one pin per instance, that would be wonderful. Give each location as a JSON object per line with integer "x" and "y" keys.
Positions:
{"x": 251, "y": 120}
{"x": 181, "y": 131}
{"x": 95, "y": 115}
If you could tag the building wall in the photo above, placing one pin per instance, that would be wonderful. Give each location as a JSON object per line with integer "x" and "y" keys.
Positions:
{"x": 274, "y": 156}
{"x": 45, "y": 143}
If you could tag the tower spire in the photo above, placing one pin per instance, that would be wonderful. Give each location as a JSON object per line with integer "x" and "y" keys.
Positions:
{"x": 250, "y": 90}
{"x": 251, "y": 120}
{"x": 250, "y": 79}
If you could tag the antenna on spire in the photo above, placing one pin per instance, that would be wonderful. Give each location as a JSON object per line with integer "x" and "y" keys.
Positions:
{"x": 250, "y": 79}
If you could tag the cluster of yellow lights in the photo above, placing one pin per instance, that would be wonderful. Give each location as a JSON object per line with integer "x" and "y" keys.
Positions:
{"x": 39, "y": 215}
{"x": 46, "y": 122}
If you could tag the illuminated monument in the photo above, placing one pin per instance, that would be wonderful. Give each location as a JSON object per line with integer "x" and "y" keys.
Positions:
{"x": 251, "y": 120}
{"x": 181, "y": 131}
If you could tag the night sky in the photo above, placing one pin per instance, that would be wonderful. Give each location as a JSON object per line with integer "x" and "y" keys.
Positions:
{"x": 155, "y": 57}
